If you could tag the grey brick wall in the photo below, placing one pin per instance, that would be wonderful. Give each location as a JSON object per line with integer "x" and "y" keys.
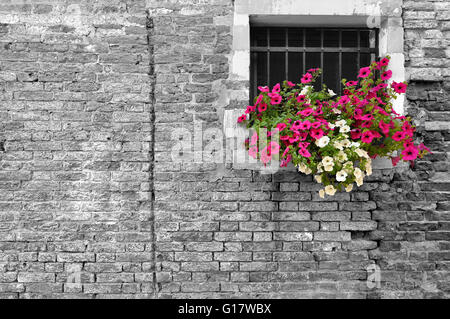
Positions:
{"x": 92, "y": 206}
{"x": 75, "y": 132}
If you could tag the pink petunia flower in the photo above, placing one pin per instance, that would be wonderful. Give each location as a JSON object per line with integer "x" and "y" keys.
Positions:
{"x": 316, "y": 125}
{"x": 410, "y": 153}
{"x": 303, "y": 135}
{"x": 303, "y": 144}
{"x": 274, "y": 147}
{"x": 381, "y": 86}
{"x": 294, "y": 139}
{"x": 381, "y": 111}
{"x": 250, "y": 109}
{"x": 259, "y": 99}
{"x": 262, "y": 107}
{"x": 358, "y": 114}
{"x": 366, "y": 124}
{"x": 276, "y": 99}
{"x": 364, "y": 72}
{"x": 384, "y": 62}
{"x": 306, "y": 125}
{"x": 301, "y": 99}
{"x": 384, "y": 127}
{"x": 316, "y": 133}
{"x": 367, "y": 137}
{"x": 263, "y": 88}
{"x": 307, "y": 112}
{"x": 399, "y": 136}
{"x": 286, "y": 151}
{"x": 318, "y": 111}
{"x": 254, "y": 139}
{"x": 344, "y": 100}
{"x": 304, "y": 152}
{"x": 286, "y": 161}
{"x": 367, "y": 117}
{"x": 265, "y": 156}
{"x": 296, "y": 125}
{"x": 422, "y": 147}
{"x": 395, "y": 160}
{"x": 399, "y": 87}
{"x": 375, "y": 134}
{"x": 242, "y": 118}
{"x": 351, "y": 83}
{"x": 290, "y": 84}
{"x": 281, "y": 126}
{"x": 386, "y": 75}
{"x": 276, "y": 88}
{"x": 408, "y": 143}
{"x": 253, "y": 152}
{"x": 307, "y": 78}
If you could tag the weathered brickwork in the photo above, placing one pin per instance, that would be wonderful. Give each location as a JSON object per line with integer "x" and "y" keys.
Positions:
{"x": 75, "y": 149}
{"x": 93, "y": 206}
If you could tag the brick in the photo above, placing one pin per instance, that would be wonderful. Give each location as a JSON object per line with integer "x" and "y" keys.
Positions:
{"x": 261, "y": 207}
{"x": 293, "y": 236}
{"x": 358, "y": 206}
{"x": 257, "y": 226}
{"x": 299, "y": 226}
{"x": 35, "y": 277}
{"x": 321, "y": 206}
{"x": 200, "y": 287}
{"x": 233, "y": 256}
{"x": 331, "y": 216}
{"x": 332, "y": 236}
{"x": 291, "y": 216}
{"x": 358, "y": 226}
{"x": 193, "y": 256}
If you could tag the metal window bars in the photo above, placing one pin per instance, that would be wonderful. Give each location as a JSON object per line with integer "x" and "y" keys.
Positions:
{"x": 285, "y": 53}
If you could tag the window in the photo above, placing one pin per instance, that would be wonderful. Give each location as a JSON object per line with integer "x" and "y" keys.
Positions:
{"x": 279, "y": 54}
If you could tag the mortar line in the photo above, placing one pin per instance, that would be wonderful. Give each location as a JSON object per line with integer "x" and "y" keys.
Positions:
{"x": 151, "y": 73}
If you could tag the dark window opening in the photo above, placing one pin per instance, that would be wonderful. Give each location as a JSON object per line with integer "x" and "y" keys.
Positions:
{"x": 279, "y": 54}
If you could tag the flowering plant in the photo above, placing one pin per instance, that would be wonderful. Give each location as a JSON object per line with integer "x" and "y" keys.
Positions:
{"x": 333, "y": 137}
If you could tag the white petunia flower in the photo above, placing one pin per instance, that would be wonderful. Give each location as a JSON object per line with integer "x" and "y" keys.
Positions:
{"x": 302, "y": 167}
{"x": 362, "y": 153}
{"x": 336, "y": 111}
{"x": 327, "y": 160}
{"x": 305, "y": 90}
{"x": 338, "y": 145}
{"x": 341, "y": 176}
{"x": 308, "y": 171}
{"x": 323, "y": 141}
{"x": 320, "y": 168}
{"x": 345, "y": 129}
{"x": 369, "y": 167}
{"x": 346, "y": 143}
{"x": 318, "y": 178}
{"x": 358, "y": 173}
{"x": 322, "y": 193}
{"x": 355, "y": 144}
{"x": 341, "y": 123}
{"x": 349, "y": 188}
{"x": 342, "y": 157}
{"x": 329, "y": 168}
{"x": 331, "y": 93}
{"x": 330, "y": 190}
{"x": 359, "y": 181}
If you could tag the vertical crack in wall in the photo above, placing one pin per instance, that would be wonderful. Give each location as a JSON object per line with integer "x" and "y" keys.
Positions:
{"x": 151, "y": 74}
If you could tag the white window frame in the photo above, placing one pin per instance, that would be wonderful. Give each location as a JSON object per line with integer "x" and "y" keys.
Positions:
{"x": 385, "y": 15}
